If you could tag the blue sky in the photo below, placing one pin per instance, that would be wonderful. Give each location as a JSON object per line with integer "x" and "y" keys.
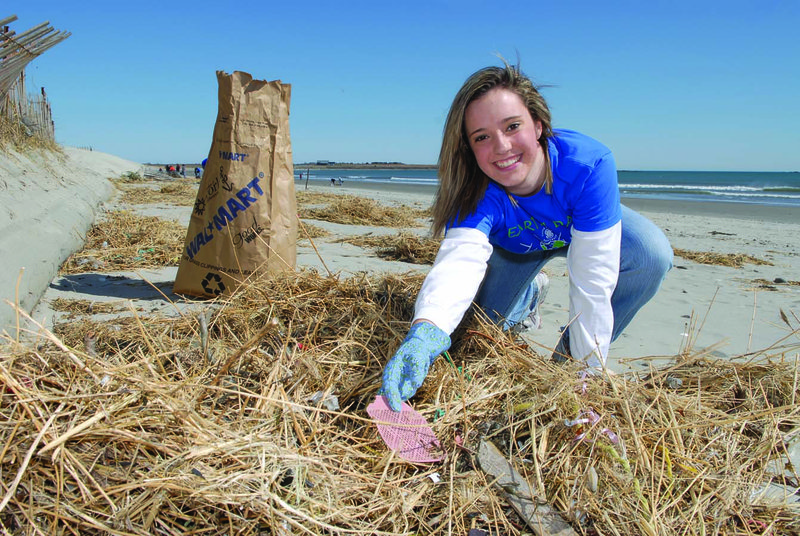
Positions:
{"x": 686, "y": 85}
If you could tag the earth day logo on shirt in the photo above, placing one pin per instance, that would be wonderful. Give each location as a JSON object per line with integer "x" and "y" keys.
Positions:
{"x": 551, "y": 241}
{"x": 533, "y": 230}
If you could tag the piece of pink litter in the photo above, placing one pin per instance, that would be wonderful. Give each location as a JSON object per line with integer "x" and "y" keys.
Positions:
{"x": 406, "y": 432}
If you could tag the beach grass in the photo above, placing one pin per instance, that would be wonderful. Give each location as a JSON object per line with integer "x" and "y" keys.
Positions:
{"x": 312, "y": 231}
{"x": 247, "y": 415}
{"x": 125, "y": 240}
{"x": 14, "y": 135}
{"x": 80, "y": 307}
{"x": 308, "y": 198}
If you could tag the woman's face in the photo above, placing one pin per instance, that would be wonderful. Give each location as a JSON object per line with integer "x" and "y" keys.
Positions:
{"x": 505, "y": 141}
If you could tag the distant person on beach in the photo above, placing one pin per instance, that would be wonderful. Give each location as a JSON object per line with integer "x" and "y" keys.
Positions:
{"x": 513, "y": 194}
{"x": 333, "y": 181}
{"x": 196, "y": 172}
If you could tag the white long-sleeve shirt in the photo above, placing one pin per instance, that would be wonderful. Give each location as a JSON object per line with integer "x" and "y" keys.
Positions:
{"x": 593, "y": 265}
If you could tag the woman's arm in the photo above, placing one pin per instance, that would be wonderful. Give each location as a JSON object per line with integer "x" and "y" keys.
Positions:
{"x": 454, "y": 279}
{"x": 593, "y": 265}
{"x": 445, "y": 296}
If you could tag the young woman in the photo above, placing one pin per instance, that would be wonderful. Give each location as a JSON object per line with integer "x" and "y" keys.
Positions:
{"x": 513, "y": 194}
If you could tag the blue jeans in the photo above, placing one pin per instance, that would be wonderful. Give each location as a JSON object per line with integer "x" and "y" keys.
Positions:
{"x": 509, "y": 293}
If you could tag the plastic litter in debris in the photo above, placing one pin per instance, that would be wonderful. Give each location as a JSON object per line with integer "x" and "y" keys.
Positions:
{"x": 590, "y": 417}
{"x": 331, "y": 402}
{"x": 405, "y": 432}
{"x": 674, "y": 383}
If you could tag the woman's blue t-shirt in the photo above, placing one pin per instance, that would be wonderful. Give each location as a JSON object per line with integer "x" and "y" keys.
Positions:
{"x": 585, "y": 196}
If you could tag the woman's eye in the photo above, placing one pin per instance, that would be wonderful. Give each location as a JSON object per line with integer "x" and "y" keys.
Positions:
{"x": 479, "y": 138}
{"x": 513, "y": 126}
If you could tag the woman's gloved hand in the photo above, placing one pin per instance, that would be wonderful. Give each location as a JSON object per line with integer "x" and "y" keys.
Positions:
{"x": 407, "y": 369}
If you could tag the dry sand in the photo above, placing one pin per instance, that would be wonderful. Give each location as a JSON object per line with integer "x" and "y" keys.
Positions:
{"x": 48, "y": 203}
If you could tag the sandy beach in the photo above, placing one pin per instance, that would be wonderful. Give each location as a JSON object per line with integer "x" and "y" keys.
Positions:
{"x": 155, "y": 410}
{"x": 47, "y": 203}
{"x": 726, "y": 311}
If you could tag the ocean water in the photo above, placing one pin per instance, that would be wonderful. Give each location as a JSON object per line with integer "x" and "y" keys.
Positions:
{"x": 762, "y": 188}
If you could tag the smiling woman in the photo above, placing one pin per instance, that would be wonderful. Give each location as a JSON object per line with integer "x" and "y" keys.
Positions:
{"x": 505, "y": 141}
{"x": 513, "y": 195}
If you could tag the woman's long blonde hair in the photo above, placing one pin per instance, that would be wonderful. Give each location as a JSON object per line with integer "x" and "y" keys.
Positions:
{"x": 462, "y": 184}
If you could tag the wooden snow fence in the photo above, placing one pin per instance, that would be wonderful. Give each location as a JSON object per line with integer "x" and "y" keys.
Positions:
{"x": 16, "y": 52}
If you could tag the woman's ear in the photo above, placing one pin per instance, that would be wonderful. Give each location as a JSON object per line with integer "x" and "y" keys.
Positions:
{"x": 538, "y": 126}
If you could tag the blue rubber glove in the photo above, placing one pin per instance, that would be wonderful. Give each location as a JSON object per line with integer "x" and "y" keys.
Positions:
{"x": 407, "y": 369}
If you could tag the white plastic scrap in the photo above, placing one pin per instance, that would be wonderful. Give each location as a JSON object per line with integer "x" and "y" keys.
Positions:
{"x": 331, "y": 401}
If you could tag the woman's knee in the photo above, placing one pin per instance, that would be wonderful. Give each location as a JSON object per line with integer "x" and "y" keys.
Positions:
{"x": 661, "y": 255}
{"x": 645, "y": 247}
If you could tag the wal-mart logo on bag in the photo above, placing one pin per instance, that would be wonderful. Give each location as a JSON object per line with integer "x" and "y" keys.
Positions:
{"x": 228, "y": 212}
{"x": 233, "y": 157}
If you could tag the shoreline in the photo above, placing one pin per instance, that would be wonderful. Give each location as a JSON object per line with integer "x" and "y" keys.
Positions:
{"x": 715, "y": 209}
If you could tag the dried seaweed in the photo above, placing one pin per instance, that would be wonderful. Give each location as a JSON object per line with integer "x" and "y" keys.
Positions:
{"x": 352, "y": 210}
{"x": 403, "y": 247}
{"x": 123, "y": 240}
{"x": 132, "y": 427}
{"x": 734, "y": 260}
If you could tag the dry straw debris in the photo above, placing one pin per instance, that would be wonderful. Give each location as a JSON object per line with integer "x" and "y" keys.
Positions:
{"x": 123, "y": 240}
{"x": 308, "y": 198}
{"x": 130, "y": 177}
{"x": 314, "y": 231}
{"x": 217, "y": 423}
{"x": 734, "y": 260}
{"x": 179, "y": 192}
{"x": 353, "y": 210}
{"x": 15, "y": 135}
{"x": 404, "y": 247}
{"x": 86, "y": 307}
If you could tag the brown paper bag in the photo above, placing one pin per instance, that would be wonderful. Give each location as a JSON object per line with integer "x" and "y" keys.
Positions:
{"x": 244, "y": 222}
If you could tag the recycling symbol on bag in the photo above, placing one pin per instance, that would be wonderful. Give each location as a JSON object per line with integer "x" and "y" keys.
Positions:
{"x": 213, "y": 284}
